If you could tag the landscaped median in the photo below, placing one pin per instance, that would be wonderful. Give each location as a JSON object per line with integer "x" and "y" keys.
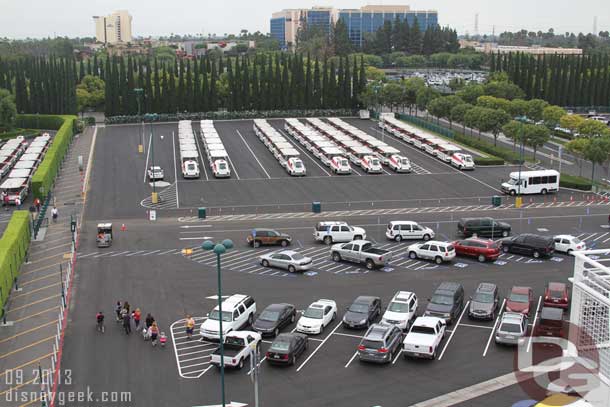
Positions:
{"x": 13, "y": 248}
{"x": 43, "y": 178}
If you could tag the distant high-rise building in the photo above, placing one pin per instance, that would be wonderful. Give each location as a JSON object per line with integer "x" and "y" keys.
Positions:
{"x": 285, "y": 24}
{"x": 113, "y": 28}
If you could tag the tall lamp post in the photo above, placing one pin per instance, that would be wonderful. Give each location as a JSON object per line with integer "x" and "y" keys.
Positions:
{"x": 522, "y": 120}
{"x": 151, "y": 117}
{"x": 219, "y": 249}
{"x": 139, "y": 92}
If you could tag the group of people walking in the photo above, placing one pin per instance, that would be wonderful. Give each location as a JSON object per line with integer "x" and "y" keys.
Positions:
{"x": 125, "y": 315}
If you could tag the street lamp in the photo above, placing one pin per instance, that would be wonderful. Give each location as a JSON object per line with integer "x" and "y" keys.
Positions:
{"x": 522, "y": 120}
{"x": 139, "y": 92}
{"x": 219, "y": 249}
{"x": 151, "y": 117}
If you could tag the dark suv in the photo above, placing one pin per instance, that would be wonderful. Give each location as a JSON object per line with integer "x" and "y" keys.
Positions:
{"x": 380, "y": 344}
{"x": 260, "y": 237}
{"x": 447, "y": 302}
{"x": 484, "y": 303}
{"x": 483, "y": 227}
{"x": 529, "y": 245}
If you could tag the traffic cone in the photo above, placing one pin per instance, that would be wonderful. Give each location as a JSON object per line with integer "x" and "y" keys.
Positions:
{"x": 123, "y": 228}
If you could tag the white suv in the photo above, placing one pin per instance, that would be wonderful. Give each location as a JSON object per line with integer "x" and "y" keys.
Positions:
{"x": 432, "y": 250}
{"x": 337, "y": 232}
{"x": 404, "y": 229}
{"x": 237, "y": 311}
{"x": 401, "y": 310}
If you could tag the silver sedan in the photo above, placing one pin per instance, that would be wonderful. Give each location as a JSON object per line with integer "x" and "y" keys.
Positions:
{"x": 290, "y": 260}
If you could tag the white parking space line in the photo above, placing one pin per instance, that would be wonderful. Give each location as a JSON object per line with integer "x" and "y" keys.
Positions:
{"x": 203, "y": 371}
{"x": 298, "y": 147}
{"x": 333, "y": 268}
{"x": 319, "y": 346}
{"x": 584, "y": 239}
{"x": 348, "y": 335}
{"x": 255, "y": 270}
{"x": 415, "y": 264}
{"x": 149, "y": 253}
{"x": 352, "y": 358}
{"x": 581, "y": 235}
{"x": 422, "y": 266}
{"x": 103, "y": 254}
{"x": 252, "y": 152}
{"x": 453, "y": 331}
{"x": 121, "y": 253}
{"x": 176, "y": 170}
{"x": 402, "y": 263}
{"x": 232, "y": 166}
{"x": 397, "y": 355}
{"x": 203, "y": 165}
{"x": 345, "y": 269}
{"x": 477, "y": 326}
{"x": 258, "y": 364}
{"x": 491, "y": 335}
{"x": 529, "y": 343}
{"x": 250, "y": 267}
{"x": 87, "y": 255}
{"x": 147, "y": 155}
{"x": 600, "y": 236}
{"x": 606, "y": 240}
{"x": 134, "y": 253}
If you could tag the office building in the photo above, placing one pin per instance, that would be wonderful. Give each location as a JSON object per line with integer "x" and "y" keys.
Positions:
{"x": 114, "y": 28}
{"x": 285, "y": 24}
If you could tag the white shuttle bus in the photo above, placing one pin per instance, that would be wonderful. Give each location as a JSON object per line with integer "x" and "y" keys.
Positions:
{"x": 532, "y": 182}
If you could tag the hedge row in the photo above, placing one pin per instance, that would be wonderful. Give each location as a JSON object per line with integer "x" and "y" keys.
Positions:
{"x": 268, "y": 114}
{"x": 571, "y": 181}
{"x": 483, "y": 161}
{"x": 43, "y": 178}
{"x": 13, "y": 247}
{"x": 505, "y": 153}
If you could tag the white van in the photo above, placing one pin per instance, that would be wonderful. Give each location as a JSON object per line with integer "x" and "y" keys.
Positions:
{"x": 532, "y": 182}
{"x": 404, "y": 229}
{"x": 462, "y": 161}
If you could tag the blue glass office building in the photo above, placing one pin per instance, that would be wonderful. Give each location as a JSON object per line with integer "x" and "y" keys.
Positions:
{"x": 278, "y": 30}
{"x": 360, "y": 22}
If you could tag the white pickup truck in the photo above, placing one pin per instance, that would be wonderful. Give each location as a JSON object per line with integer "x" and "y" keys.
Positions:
{"x": 424, "y": 338}
{"x": 237, "y": 348}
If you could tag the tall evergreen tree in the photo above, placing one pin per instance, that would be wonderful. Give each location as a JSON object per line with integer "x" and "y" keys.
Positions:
{"x": 316, "y": 94}
{"x": 308, "y": 85}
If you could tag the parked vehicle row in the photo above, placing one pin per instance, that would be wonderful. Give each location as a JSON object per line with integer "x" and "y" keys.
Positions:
{"x": 20, "y": 160}
{"x": 282, "y": 150}
{"x": 422, "y": 139}
{"x": 189, "y": 152}
{"x": 327, "y": 151}
{"x": 215, "y": 150}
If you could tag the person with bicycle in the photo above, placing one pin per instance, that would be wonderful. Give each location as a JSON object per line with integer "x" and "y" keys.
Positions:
{"x": 99, "y": 317}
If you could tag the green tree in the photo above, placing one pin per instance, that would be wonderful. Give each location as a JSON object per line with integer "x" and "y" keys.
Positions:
{"x": 505, "y": 90}
{"x": 471, "y": 92}
{"x": 552, "y": 116}
{"x": 8, "y": 110}
{"x": 593, "y": 128}
{"x": 459, "y": 112}
{"x": 577, "y": 148}
{"x": 571, "y": 122}
{"x": 425, "y": 95}
{"x": 535, "y": 109}
{"x": 535, "y": 136}
{"x": 341, "y": 43}
{"x": 492, "y": 102}
{"x": 441, "y": 107}
{"x": 391, "y": 95}
{"x": 597, "y": 151}
{"x": 374, "y": 74}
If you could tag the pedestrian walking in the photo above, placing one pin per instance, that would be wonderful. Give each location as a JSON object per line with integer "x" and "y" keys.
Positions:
{"x": 37, "y": 204}
{"x": 190, "y": 326}
{"x": 126, "y": 306}
{"x": 18, "y": 202}
{"x": 154, "y": 333}
{"x": 54, "y": 214}
{"x": 2, "y": 195}
{"x": 117, "y": 308}
{"x": 127, "y": 322}
{"x": 137, "y": 315}
{"x": 6, "y": 201}
{"x": 149, "y": 320}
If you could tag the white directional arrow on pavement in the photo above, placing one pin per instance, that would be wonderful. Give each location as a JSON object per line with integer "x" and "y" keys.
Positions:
{"x": 230, "y": 404}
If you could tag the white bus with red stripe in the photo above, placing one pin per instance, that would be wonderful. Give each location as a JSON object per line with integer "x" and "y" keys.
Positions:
{"x": 333, "y": 157}
{"x": 445, "y": 151}
{"x": 462, "y": 161}
{"x": 385, "y": 152}
{"x": 356, "y": 154}
{"x": 399, "y": 163}
{"x": 290, "y": 160}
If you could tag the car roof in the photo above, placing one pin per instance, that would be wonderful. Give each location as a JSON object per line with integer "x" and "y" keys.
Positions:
{"x": 265, "y": 230}
{"x": 512, "y": 317}
{"x": 427, "y": 321}
{"x": 520, "y": 289}
{"x": 287, "y": 252}
{"x": 556, "y": 286}
{"x": 565, "y": 236}
{"x": 480, "y": 240}
{"x": 448, "y": 286}
{"x": 402, "y": 296}
{"x": 438, "y": 243}
{"x": 377, "y": 331}
{"x": 368, "y": 299}
{"x": 275, "y": 307}
{"x": 403, "y": 222}
{"x": 486, "y": 287}
{"x": 332, "y": 222}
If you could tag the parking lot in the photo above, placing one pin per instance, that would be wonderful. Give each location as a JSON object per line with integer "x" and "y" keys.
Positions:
{"x": 147, "y": 266}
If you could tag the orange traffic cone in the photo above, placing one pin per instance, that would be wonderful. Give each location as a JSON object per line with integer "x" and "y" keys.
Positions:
{"x": 123, "y": 228}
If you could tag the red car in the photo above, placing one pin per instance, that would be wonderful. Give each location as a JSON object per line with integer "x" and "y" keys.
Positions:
{"x": 556, "y": 295}
{"x": 482, "y": 249}
{"x": 521, "y": 300}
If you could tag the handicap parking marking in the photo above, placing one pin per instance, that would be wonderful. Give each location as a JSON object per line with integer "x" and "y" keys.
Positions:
{"x": 542, "y": 230}
{"x": 534, "y": 261}
{"x": 529, "y": 343}
{"x": 557, "y": 259}
{"x": 493, "y": 330}
{"x": 454, "y": 330}
{"x": 600, "y": 236}
{"x": 319, "y": 346}
{"x": 500, "y": 262}
{"x": 192, "y": 356}
{"x": 460, "y": 265}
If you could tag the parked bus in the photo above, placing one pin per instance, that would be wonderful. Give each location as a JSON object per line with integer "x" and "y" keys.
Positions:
{"x": 15, "y": 187}
{"x": 532, "y": 182}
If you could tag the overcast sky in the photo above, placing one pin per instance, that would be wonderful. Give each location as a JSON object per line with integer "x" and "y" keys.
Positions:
{"x": 72, "y": 18}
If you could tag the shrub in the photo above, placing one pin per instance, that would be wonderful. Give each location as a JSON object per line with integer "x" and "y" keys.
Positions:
{"x": 483, "y": 161}
{"x": 574, "y": 182}
{"x": 487, "y": 147}
{"x": 13, "y": 247}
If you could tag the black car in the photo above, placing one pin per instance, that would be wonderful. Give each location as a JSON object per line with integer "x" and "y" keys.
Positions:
{"x": 363, "y": 312}
{"x": 274, "y": 318}
{"x": 488, "y": 227}
{"x": 484, "y": 303}
{"x": 530, "y": 245}
{"x": 286, "y": 348}
{"x": 447, "y": 302}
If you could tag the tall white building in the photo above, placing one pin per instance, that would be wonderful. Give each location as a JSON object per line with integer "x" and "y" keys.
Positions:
{"x": 113, "y": 28}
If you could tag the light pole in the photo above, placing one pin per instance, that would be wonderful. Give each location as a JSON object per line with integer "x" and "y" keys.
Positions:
{"x": 219, "y": 249}
{"x": 151, "y": 117}
{"x": 139, "y": 92}
{"x": 522, "y": 120}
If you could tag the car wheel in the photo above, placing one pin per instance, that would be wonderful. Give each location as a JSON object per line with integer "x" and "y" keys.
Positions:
{"x": 370, "y": 265}
{"x": 292, "y": 269}
{"x": 412, "y": 255}
{"x": 513, "y": 192}
{"x": 481, "y": 258}
{"x": 434, "y": 354}
{"x": 336, "y": 256}
{"x": 294, "y": 360}
{"x": 250, "y": 319}
{"x": 505, "y": 249}
{"x": 505, "y": 233}
{"x": 438, "y": 260}
{"x": 265, "y": 263}
{"x": 357, "y": 237}
{"x": 276, "y": 332}
{"x": 328, "y": 240}
{"x": 536, "y": 254}
{"x": 569, "y": 252}
{"x": 306, "y": 343}
{"x": 544, "y": 191}
{"x": 334, "y": 316}
{"x": 241, "y": 364}
{"x": 284, "y": 243}
{"x": 426, "y": 237}
{"x": 257, "y": 243}
{"x": 398, "y": 238}
{"x": 368, "y": 324}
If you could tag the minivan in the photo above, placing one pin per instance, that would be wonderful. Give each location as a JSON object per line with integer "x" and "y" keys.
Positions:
{"x": 446, "y": 302}
{"x": 530, "y": 245}
{"x": 485, "y": 302}
{"x": 483, "y": 227}
{"x": 403, "y": 229}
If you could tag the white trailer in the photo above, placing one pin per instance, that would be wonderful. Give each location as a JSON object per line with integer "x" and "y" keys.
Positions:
{"x": 15, "y": 188}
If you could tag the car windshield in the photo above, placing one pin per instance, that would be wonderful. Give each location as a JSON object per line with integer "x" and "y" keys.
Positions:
{"x": 222, "y": 166}
{"x": 404, "y": 162}
{"x": 315, "y": 313}
{"x": 359, "y": 308}
{"x": 343, "y": 163}
{"x": 190, "y": 167}
{"x": 297, "y": 256}
{"x": 422, "y": 330}
{"x": 371, "y": 344}
{"x": 398, "y": 307}
{"x": 441, "y": 299}
{"x": 374, "y": 162}
{"x": 280, "y": 345}
{"x": 483, "y": 297}
{"x": 516, "y": 297}
{"x": 467, "y": 158}
{"x": 556, "y": 294}
{"x": 513, "y": 181}
{"x": 510, "y": 327}
{"x": 576, "y": 240}
{"x": 271, "y": 316}
{"x": 226, "y": 316}
{"x": 298, "y": 164}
